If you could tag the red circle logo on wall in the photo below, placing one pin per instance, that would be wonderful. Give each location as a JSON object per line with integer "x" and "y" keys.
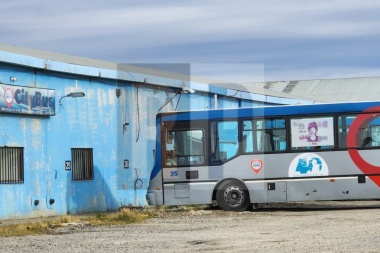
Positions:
{"x": 8, "y": 97}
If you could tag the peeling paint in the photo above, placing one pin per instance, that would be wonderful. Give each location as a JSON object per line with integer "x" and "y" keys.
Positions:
{"x": 38, "y": 165}
{"x": 111, "y": 97}
{"x": 36, "y": 126}
{"x": 94, "y": 200}
{"x": 102, "y": 98}
{"x": 113, "y": 155}
{"x": 10, "y": 129}
{"x": 37, "y": 143}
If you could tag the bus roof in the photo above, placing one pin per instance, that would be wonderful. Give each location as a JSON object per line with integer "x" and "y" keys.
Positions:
{"x": 283, "y": 110}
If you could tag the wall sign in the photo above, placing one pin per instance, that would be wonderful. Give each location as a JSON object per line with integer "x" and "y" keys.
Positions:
{"x": 27, "y": 100}
{"x": 67, "y": 165}
{"x": 126, "y": 164}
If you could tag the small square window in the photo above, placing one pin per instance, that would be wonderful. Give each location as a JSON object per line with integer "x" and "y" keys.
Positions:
{"x": 82, "y": 164}
{"x": 11, "y": 165}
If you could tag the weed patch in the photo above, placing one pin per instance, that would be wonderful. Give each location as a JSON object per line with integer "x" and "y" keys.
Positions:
{"x": 122, "y": 217}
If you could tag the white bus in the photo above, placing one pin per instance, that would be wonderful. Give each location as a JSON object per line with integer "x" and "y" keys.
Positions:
{"x": 244, "y": 156}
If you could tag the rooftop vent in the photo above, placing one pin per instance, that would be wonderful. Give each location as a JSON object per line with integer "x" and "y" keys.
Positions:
{"x": 268, "y": 85}
{"x": 288, "y": 88}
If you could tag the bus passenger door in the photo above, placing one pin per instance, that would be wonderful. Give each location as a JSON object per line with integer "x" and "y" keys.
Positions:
{"x": 276, "y": 191}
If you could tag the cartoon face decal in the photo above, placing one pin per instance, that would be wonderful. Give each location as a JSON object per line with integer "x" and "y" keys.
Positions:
{"x": 308, "y": 165}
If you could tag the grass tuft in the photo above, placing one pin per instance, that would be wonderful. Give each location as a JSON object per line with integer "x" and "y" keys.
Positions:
{"x": 124, "y": 216}
{"x": 36, "y": 228}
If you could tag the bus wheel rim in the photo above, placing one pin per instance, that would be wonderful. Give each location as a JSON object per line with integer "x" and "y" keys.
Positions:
{"x": 233, "y": 196}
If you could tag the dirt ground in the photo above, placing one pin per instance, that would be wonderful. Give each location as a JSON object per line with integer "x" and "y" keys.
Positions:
{"x": 340, "y": 226}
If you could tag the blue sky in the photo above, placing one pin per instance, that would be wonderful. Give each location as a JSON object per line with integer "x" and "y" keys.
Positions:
{"x": 256, "y": 40}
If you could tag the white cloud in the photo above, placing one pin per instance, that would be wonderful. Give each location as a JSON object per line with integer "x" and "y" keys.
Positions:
{"x": 228, "y": 72}
{"x": 106, "y": 30}
{"x": 167, "y": 25}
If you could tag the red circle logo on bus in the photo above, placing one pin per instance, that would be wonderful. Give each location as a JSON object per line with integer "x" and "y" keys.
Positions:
{"x": 256, "y": 165}
{"x": 359, "y": 122}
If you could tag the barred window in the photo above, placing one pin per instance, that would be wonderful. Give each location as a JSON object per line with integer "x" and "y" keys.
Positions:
{"x": 82, "y": 164}
{"x": 11, "y": 165}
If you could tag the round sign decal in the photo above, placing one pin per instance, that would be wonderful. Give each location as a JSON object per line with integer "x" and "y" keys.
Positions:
{"x": 256, "y": 165}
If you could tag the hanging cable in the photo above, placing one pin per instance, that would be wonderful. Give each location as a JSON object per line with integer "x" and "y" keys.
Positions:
{"x": 138, "y": 182}
{"x": 178, "y": 101}
{"x": 167, "y": 102}
{"x": 15, "y": 131}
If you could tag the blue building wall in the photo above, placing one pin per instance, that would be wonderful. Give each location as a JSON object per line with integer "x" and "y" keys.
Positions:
{"x": 117, "y": 126}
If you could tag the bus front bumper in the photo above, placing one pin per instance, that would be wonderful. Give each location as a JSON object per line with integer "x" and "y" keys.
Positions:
{"x": 151, "y": 198}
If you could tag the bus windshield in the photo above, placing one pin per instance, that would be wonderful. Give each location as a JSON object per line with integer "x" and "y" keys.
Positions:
{"x": 184, "y": 147}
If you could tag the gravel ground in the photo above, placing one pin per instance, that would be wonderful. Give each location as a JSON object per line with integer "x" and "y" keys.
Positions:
{"x": 312, "y": 227}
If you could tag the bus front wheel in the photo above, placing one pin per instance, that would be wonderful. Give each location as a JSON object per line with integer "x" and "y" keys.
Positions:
{"x": 232, "y": 195}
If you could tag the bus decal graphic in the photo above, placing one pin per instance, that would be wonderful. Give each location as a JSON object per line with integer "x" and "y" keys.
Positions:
{"x": 256, "y": 165}
{"x": 359, "y": 122}
{"x": 308, "y": 165}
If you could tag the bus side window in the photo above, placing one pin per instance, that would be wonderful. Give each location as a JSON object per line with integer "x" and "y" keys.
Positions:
{"x": 244, "y": 143}
{"x": 367, "y": 135}
{"x": 224, "y": 140}
{"x": 367, "y": 142}
{"x": 344, "y": 123}
{"x": 270, "y": 135}
{"x": 342, "y": 139}
{"x": 268, "y": 141}
{"x": 247, "y": 141}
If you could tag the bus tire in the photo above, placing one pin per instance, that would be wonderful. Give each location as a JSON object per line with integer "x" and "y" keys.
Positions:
{"x": 232, "y": 195}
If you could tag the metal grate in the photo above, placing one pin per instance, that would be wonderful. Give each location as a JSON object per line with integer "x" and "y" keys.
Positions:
{"x": 11, "y": 165}
{"x": 82, "y": 164}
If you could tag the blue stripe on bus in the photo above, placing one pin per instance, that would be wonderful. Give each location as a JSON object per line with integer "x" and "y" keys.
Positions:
{"x": 267, "y": 111}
